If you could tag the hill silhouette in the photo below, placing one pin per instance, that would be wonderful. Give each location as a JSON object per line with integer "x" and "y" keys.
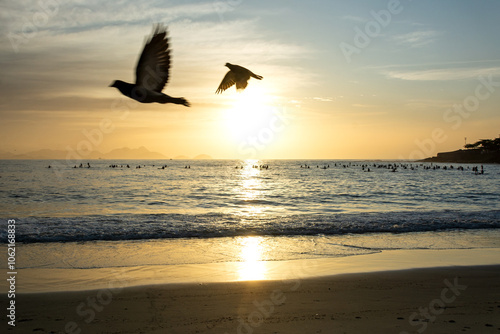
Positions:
{"x": 482, "y": 151}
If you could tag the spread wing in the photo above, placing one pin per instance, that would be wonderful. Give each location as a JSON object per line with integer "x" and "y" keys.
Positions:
{"x": 152, "y": 68}
{"x": 228, "y": 81}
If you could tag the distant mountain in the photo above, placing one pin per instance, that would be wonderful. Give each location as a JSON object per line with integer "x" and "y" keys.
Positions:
{"x": 40, "y": 154}
{"x": 120, "y": 153}
{"x": 7, "y": 155}
{"x": 203, "y": 156}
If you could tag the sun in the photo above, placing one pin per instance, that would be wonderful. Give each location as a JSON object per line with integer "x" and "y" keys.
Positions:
{"x": 250, "y": 112}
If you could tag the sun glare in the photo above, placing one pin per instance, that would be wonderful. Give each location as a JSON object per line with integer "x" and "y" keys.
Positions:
{"x": 251, "y": 111}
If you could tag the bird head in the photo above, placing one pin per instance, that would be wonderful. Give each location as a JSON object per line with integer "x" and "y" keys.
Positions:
{"x": 228, "y": 65}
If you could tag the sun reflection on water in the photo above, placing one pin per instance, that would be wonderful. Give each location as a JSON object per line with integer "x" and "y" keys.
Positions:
{"x": 250, "y": 187}
{"x": 252, "y": 267}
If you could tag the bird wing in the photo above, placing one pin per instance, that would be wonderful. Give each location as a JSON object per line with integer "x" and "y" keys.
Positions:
{"x": 228, "y": 81}
{"x": 153, "y": 65}
{"x": 241, "y": 84}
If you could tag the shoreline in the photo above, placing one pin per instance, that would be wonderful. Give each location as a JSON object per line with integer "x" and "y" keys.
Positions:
{"x": 444, "y": 300}
{"x": 39, "y": 280}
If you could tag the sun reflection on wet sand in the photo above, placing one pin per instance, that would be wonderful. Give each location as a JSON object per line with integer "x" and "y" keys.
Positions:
{"x": 252, "y": 267}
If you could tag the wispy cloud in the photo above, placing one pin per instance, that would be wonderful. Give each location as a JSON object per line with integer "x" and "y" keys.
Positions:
{"x": 417, "y": 39}
{"x": 65, "y": 16}
{"x": 76, "y": 59}
{"x": 323, "y": 99}
{"x": 360, "y": 105}
{"x": 462, "y": 64}
{"x": 428, "y": 104}
{"x": 353, "y": 18}
{"x": 443, "y": 74}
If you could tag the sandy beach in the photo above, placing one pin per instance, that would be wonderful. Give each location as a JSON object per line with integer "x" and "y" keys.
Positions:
{"x": 431, "y": 300}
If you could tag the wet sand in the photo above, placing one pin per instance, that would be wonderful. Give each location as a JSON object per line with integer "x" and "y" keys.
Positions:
{"x": 435, "y": 300}
{"x": 32, "y": 280}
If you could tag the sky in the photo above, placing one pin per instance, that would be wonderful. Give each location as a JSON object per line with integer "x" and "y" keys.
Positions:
{"x": 361, "y": 79}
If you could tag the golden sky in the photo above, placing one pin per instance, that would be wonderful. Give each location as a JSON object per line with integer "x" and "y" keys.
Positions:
{"x": 342, "y": 80}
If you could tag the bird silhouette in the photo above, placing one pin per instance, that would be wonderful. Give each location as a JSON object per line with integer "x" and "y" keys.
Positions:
{"x": 152, "y": 72}
{"x": 237, "y": 75}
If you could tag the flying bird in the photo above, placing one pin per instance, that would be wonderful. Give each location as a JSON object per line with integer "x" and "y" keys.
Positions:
{"x": 237, "y": 75}
{"x": 152, "y": 72}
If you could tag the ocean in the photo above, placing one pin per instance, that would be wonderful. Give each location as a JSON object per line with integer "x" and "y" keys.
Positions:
{"x": 202, "y": 211}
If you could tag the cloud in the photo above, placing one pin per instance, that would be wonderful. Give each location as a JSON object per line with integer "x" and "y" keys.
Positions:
{"x": 57, "y": 16}
{"x": 417, "y": 39}
{"x": 353, "y": 18}
{"x": 68, "y": 63}
{"x": 428, "y": 104}
{"x": 323, "y": 99}
{"x": 360, "y": 105}
{"x": 443, "y": 74}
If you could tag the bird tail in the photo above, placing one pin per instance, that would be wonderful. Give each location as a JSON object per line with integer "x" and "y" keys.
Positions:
{"x": 256, "y": 76}
{"x": 181, "y": 100}
{"x": 177, "y": 100}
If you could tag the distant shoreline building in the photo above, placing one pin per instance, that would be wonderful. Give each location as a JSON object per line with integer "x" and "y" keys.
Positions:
{"x": 483, "y": 151}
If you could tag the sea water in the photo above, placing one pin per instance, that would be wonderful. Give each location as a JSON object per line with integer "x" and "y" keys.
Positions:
{"x": 210, "y": 211}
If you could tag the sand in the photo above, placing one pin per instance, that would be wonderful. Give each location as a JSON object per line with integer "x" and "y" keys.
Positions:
{"x": 431, "y": 300}
{"x": 30, "y": 280}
